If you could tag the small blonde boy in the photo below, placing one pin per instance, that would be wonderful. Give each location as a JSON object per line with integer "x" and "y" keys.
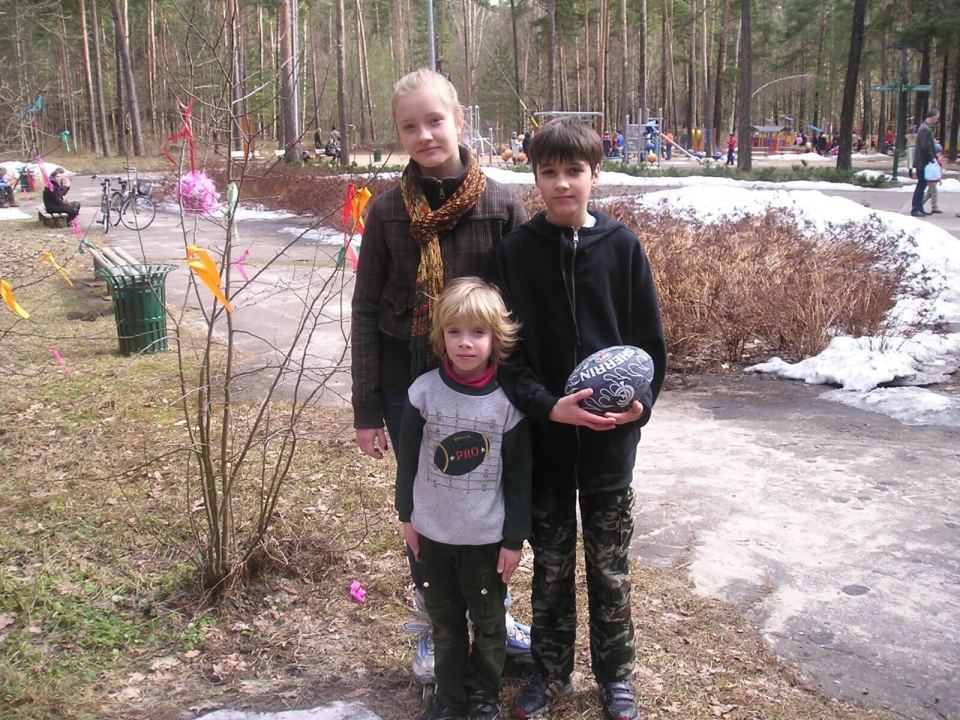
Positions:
{"x": 463, "y": 495}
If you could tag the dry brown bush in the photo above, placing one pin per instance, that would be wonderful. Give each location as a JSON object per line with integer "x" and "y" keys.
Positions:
{"x": 765, "y": 281}
{"x": 318, "y": 191}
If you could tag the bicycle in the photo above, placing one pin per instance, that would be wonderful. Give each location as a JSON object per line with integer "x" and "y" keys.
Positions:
{"x": 130, "y": 204}
{"x": 136, "y": 208}
{"x": 109, "y": 205}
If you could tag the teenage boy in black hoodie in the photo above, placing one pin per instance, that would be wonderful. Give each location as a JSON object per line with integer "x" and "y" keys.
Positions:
{"x": 578, "y": 282}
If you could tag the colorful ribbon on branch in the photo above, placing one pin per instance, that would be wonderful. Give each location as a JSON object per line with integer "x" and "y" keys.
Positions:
{"x": 353, "y": 221}
{"x": 62, "y": 363}
{"x": 78, "y": 231}
{"x": 241, "y": 268}
{"x": 205, "y": 269}
{"x": 184, "y": 133}
{"x": 47, "y": 182}
{"x": 6, "y": 292}
{"x": 50, "y": 260}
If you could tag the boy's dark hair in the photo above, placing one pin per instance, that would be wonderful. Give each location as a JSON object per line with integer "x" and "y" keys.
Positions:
{"x": 563, "y": 140}
{"x": 930, "y": 113}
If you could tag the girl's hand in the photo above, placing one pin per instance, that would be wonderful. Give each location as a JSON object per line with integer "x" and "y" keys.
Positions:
{"x": 627, "y": 416}
{"x": 509, "y": 559}
{"x": 568, "y": 411}
{"x": 412, "y": 538}
{"x": 373, "y": 442}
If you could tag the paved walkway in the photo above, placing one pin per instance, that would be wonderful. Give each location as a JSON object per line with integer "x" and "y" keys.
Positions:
{"x": 837, "y": 529}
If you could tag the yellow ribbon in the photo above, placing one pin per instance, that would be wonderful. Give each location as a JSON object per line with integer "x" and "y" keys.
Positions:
{"x": 6, "y": 291}
{"x": 50, "y": 260}
{"x": 204, "y": 268}
{"x": 357, "y": 203}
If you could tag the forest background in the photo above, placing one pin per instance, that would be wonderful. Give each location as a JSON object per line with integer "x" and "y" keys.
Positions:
{"x": 110, "y": 71}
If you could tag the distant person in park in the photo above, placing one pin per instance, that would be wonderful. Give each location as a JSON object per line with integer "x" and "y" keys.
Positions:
{"x": 607, "y": 144}
{"x": 578, "y": 282}
{"x": 335, "y": 136}
{"x": 731, "y": 148}
{"x": 922, "y": 154}
{"x": 619, "y": 143}
{"x": 466, "y": 516}
{"x": 7, "y": 196}
{"x": 525, "y": 143}
{"x": 932, "y": 193}
{"x": 53, "y": 199}
{"x": 668, "y": 145}
{"x": 438, "y": 224}
{"x": 317, "y": 142}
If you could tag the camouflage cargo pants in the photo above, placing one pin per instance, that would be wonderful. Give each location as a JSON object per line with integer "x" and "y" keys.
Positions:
{"x": 607, "y": 521}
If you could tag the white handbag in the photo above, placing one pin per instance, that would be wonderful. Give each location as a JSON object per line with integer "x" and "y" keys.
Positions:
{"x": 931, "y": 171}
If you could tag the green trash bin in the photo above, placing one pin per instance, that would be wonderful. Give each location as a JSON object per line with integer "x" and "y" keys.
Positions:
{"x": 377, "y": 155}
{"x": 138, "y": 306}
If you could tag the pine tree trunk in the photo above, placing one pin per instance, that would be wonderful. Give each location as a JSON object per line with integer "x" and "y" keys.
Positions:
{"x": 365, "y": 76}
{"x": 71, "y": 120}
{"x": 342, "y": 85}
{"x": 954, "y": 113}
{"x": 624, "y": 68}
{"x": 98, "y": 80}
{"x": 642, "y": 111}
{"x": 130, "y": 87}
{"x": 744, "y": 155}
{"x": 151, "y": 50}
{"x": 691, "y": 116}
{"x": 288, "y": 110}
{"x": 516, "y": 66}
{"x": 551, "y": 8}
{"x": 721, "y": 61}
{"x": 850, "y": 85}
{"x": 88, "y": 77}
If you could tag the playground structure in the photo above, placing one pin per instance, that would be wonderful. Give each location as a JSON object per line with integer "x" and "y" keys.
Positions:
{"x": 475, "y": 139}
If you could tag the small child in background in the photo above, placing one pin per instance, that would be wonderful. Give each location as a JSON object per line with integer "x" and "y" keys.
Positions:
{"x": 932, "y": 192}
{"x": 7, "y": 197}
{"x": 463, "y": 495}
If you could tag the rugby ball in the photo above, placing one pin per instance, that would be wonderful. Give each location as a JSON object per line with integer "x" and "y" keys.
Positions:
{"x": 617, "y": 375}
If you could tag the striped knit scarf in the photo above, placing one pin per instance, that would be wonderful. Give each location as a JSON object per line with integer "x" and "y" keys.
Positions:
{"x": 426, "y": 225}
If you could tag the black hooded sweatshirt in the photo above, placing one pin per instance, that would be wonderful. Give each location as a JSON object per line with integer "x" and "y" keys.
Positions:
{"x": 576, "y": 292}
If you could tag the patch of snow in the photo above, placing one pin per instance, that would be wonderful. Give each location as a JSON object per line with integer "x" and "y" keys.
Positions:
{"x": 334, "y": 711}
{"x": 12, "y": 213}
{"x": 321, "y": 235}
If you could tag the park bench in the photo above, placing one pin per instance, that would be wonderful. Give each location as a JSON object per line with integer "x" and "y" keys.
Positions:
{"x": 113, "y": 262}
{"x": 52, "y": 220}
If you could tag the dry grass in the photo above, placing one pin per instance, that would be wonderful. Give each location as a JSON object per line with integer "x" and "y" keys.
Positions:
{"x": 99, "y": 615}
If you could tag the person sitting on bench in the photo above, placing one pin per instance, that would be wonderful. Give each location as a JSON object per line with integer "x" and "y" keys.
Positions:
{"x": 7, "y": 198}
{"x": 53, "y": 200}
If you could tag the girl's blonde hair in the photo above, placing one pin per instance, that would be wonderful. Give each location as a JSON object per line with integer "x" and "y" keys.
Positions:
{"x": 422, "y": 77}
{"x": 473, "y": 301}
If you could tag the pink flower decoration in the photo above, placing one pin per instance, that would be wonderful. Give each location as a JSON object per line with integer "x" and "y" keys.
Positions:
{"x": 196, "y": 192}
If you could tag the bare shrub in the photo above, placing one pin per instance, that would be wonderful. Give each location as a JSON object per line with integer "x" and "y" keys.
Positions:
{"x": 304, "y": 190}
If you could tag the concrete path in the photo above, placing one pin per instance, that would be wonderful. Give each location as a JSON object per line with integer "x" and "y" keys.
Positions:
{"x": 837, "y": 529}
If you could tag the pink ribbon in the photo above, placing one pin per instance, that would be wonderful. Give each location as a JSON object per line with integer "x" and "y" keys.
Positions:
{"x": 357, "y": 592}
{"x": 240, "y": 266}
{"x": 77, "y": 230}
{"x": 47, "y": 183}
{"x": 62, "y": 363}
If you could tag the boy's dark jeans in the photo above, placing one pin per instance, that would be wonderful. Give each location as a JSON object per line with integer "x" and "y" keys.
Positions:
{"x": 607, "y": 521}
{"x": 457, "y": 578}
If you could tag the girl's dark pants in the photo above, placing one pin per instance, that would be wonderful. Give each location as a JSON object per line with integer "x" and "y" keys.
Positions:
{"x": 392, "y": 402}
{"x": 458, "y": 578}
{"x": 607, "y": 522}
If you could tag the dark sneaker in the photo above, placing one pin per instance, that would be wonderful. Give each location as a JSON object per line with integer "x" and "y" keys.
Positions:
{"x": 619, "y": 701}
{"x": 936, "y": 211}
{"x": 439, "y": 710}
{"x": 483, "y": 705}
{"x": 538, "y": 694}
